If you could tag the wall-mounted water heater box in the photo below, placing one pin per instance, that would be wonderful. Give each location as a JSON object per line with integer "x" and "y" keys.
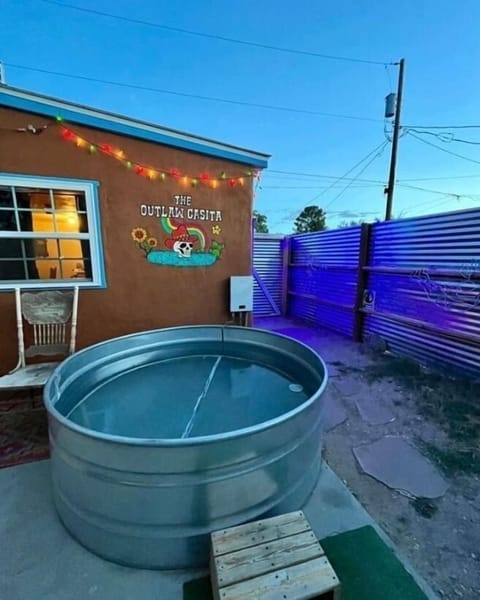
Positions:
{"x": 241, "y": 293}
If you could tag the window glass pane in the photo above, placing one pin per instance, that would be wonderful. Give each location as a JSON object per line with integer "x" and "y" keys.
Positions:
{"x": 48, "y": 269}
{"x": 37, "y": 220}
{"x": 65, "y": 200}
{"x": 75, "y": 269}
{"x": 81, "y": 202}
{"x": 73, "y": 249}
{"x": 7, "y": 220}
{"x": 67, "y": 222}
{"x": 6, "y": 197}
{"x": 37, "y": 199}
{"x": 12, "y": 270}
{"x": 33, "y": 198}
{"x": 11, "y": 248}
{"x": 25, "y": 219}
{"x": 7, "y": 217}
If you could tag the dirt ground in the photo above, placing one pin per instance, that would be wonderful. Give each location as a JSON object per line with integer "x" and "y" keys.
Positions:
{"x": 441, "y": 417}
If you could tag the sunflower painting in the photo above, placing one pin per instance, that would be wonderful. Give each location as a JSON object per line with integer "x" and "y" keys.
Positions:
{"x": 143, "y": 240}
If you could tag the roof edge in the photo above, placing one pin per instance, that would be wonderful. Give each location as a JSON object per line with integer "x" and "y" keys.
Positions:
{"x": 99, "y": 119}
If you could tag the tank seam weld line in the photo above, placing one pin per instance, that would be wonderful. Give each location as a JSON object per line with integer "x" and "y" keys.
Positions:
{"x": 189, "y": 426}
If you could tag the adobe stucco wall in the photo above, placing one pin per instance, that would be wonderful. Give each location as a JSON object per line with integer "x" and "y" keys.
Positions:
{"x": 139, "y": 295}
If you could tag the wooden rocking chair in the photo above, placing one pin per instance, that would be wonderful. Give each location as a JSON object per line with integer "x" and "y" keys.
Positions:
{"x": 48, "y": 313}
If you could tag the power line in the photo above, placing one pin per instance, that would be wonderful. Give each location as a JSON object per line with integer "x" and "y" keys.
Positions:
{"x": 364, "y": 168}
{"x": 426, "y": 203}
{"x": 342, "y": 177}
{"x": 441, "y": 126}
{"x": 444, "y": 150}
{"x": 296, "y": 175}
{"x": 442, "y": 178}
{"x": 447, "y": 138}
{"x": 429, "y": 205}
{"x": 218, "y": 37}
{"x": 196, "y": 96}
{"x": 358, "y": 185}
{"x": 422, "y": 189}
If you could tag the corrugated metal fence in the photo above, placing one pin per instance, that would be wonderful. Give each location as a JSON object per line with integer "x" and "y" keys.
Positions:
{"x": 267, "y": 274}
{"x": 424, "y": 284}
{"x": 323, "y": 277}
{"x": 414, "y": 282}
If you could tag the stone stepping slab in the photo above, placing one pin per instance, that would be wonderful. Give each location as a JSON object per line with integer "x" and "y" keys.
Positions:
{"x": 372, "y": 410}
{"x": 400, "y": 466}
{"x": 334, "y": 411}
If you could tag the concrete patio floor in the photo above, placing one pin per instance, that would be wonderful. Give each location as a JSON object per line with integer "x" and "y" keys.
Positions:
{"x": 40, "y": 560}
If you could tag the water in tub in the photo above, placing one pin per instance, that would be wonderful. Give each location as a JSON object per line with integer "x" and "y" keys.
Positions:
{"x": 188, "y": 397}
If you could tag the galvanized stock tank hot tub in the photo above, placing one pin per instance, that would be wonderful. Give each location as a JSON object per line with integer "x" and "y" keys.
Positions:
{"x": 161, "y": 437}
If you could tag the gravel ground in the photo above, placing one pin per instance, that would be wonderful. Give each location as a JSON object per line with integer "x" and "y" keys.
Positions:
{"x": 441, "y": 417}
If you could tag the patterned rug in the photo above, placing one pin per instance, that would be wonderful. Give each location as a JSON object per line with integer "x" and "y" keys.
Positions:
{"x": 23, "y": 428}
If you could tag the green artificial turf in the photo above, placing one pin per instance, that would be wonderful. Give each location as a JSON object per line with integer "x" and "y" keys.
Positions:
{"x": 368, "y": 569}
{"x": 366, "y": 566}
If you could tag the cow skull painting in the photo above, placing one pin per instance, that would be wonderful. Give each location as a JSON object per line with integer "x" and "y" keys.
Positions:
{"x": 181, "y": 242}
{"x": 183, "y": 249}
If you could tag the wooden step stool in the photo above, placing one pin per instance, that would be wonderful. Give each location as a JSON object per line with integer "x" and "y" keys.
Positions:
{"x": 272, "y": 559}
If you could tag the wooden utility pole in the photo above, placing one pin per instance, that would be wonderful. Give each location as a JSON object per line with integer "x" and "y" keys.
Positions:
{"x": 396, "y": 134}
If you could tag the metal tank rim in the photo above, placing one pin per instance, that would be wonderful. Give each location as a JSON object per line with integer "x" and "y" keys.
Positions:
{"x": 49, "y": 393}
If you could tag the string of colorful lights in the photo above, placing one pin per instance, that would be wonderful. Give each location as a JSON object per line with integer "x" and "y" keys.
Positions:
{"x": 153, "y": 173}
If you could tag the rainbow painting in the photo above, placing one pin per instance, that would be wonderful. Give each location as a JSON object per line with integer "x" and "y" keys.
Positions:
{"x": 169, "y": 225}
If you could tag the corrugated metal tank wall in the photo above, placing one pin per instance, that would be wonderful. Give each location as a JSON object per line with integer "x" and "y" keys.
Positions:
{"x": 267, "y": 272}
{"x": 425, "y": 273}
{"x": 323, "y": 278}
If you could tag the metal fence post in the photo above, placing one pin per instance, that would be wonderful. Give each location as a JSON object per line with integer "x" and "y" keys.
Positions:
{"x": 362, "y": 275}
{"x": 286, "y": 257}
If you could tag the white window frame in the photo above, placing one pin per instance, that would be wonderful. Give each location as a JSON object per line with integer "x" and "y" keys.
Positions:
{"x": 94, "y": 235}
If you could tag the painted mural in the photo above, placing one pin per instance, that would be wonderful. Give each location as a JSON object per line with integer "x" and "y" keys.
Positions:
{"x": 183, "y": 235}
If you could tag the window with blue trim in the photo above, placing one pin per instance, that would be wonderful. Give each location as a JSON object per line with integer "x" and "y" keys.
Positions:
{"x": 50, "y": 235}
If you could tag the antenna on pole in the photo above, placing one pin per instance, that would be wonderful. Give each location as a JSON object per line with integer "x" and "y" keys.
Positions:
{"x": 393, "y": 107}
{"x": 2, "y": 74}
